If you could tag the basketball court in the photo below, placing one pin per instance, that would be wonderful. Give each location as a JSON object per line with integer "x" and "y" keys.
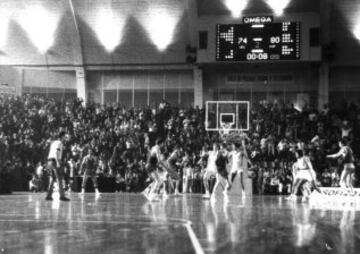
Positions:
{"x": 128, "y": 223}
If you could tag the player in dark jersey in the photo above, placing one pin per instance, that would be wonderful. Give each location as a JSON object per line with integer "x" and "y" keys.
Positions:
{"x": 222, "y": 173}
{"x": 89, "y": 166}
{"x": 347, "y": 175}
{"x": 172, "y": 172}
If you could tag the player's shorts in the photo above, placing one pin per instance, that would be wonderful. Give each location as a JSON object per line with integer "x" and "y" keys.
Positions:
{"x": 223, "y": 172}
{"x": 188, "y": 172}
{"x": 211, "y": 169}
{"x": 209, "y": 173}
{"x": 236, "y": 170}
{"x": 349, "y": 167}
{"x": 304, "y": 174}
{"x": 90, "y": 172}
{"x": 52, "y": 163}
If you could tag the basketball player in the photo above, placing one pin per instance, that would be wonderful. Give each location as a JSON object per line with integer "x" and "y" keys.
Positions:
{"x": 88, "y": 166}
{"x": 153, "y": 167}
{"x": 162, "y": 171}
{"x": 188, "y": 171}
{"x": 312, "y": 171}
{"x": 239, "y": 162}
{"x": 303, "y": 176}
{"x": 221, "y": 171}
{"x": 211, "y": 169}
{"x": 347, "y": 175}
{"x": 172, "y": 173}
{"x": 204, "y": 155}
{"x": 54, "y": 167}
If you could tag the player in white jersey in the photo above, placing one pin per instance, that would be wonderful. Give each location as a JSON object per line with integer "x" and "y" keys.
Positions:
{"x": 54, "y": 167}
{"x": 162, "y": 171}
{"x": 239, "y": 163}
{"x": 304, "y": 176}
{"x": 211, "y": 168}
{"x": 347, "y": 175}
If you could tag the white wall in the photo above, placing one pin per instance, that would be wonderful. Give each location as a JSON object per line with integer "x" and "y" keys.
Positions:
{"x": 51, "y": 79}
{"x": 11, "y": 77}
{"x": 305, "y": 80}
{"x": 345, "y": 84}
{"x": 138, "y": 80}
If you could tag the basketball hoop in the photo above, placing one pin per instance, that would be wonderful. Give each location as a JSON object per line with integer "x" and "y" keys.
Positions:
{"x": 225, "y": 128}
{"x": 230, "y": 135}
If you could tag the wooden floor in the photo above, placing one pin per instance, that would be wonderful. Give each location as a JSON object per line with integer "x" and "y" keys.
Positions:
{"x": 128, "y": 223}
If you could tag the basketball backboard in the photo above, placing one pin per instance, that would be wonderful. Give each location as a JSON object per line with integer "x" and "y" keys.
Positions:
{"x": 229, "y": 115}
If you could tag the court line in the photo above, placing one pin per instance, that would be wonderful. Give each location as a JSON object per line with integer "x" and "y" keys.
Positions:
{"x": 186, "y": 223}
{"x": 149, "y": 220}
{"x": 157, "y": 223}
{"x": 195, "y": 241}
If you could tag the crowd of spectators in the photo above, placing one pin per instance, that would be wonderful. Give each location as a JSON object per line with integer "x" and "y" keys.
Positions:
{"x": 121, "y": 138}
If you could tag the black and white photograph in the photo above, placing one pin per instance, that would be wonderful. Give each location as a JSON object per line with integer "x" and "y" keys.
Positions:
{"x": 180, "y": 126}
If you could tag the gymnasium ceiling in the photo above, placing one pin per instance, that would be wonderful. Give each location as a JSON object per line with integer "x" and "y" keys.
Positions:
{"x": 69, "y": 32}
{"x": 217, "y": 7}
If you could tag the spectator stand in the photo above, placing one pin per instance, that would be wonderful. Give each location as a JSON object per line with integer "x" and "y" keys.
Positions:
{"x": 122, "y": 136}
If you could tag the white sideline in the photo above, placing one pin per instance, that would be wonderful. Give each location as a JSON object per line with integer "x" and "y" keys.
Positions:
{"x": 194, "y": 239}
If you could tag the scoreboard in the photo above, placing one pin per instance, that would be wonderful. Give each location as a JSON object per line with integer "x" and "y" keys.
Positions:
{"x": 258, "y": 41}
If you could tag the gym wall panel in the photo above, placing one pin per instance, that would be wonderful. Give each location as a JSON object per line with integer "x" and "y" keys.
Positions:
{"x": 50, "y": 79}
{"x": 10, "y": 76}
{"x": 305, "y": 77}
{"x": 141, "y": 80}
{"x": 305, "y": 80}
{"x": 345, "y": 78}
{"x": 154, "y": 84}
{"x": 344, "y": 84}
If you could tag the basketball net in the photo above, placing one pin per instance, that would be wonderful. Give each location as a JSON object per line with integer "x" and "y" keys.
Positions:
{"x": 225, "y": 129}
{"x": 229, "y": 135}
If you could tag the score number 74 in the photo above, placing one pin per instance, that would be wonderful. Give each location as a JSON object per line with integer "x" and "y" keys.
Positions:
{"x": 273, "y": 40}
